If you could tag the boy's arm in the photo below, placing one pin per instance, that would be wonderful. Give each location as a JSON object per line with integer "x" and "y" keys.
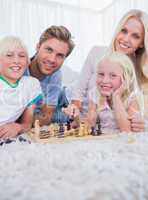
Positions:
{"x": 11, "y": 130}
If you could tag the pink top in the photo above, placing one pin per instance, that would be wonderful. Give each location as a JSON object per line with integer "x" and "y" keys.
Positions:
{"x": 108, "y": 121}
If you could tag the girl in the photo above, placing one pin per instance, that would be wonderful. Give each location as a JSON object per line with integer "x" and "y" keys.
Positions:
{"x": 18, "y": 94}
{"x": 119, "y": 95}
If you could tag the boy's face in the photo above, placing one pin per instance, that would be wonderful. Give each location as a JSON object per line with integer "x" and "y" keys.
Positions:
{"x": 13, "y": 64}
{"x": 51, "y": 55}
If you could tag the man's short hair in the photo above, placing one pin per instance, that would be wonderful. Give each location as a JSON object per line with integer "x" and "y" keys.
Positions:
{"x": 60, "y": 33}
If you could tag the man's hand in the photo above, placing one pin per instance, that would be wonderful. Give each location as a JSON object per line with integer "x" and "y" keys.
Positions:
{"x": 9, "y": 130}
{"x": 45, "y": 115}
{"x": 72, "y": 111}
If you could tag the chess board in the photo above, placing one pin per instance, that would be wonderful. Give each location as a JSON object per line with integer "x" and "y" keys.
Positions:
{"x": 56, "y": 133}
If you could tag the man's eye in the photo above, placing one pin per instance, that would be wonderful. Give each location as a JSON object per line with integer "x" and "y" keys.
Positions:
{"x": 61, "y": 56}
{"x": 49, "y": 50}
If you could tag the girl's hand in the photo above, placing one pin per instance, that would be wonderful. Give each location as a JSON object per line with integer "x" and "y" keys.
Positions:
{"x": 119, "y": 91}
{"x": 72, "y": 110}
{"x": 9, "y": 130}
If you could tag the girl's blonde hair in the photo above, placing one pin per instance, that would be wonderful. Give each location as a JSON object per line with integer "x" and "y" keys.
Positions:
{"x": 129, "y": 77}
{"x": 12, "y": 42}
{"x": 141, "y": 54}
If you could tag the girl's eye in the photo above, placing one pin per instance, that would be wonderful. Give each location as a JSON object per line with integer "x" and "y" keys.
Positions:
{"x": 113, "y": 75}
{"x": 9, "y": 55}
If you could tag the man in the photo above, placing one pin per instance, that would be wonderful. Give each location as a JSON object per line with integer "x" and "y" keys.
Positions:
{"x": 54, "y": 46}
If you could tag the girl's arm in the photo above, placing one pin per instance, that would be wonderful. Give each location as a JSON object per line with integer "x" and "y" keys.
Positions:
{"x": 11, "y": 130}
{"x": 121, "y": 114}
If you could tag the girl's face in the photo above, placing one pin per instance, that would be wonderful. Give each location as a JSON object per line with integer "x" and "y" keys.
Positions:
{"x": 13, "y": 64}
{"x": 109, "y": 77}
{"x": 131, "y": 36}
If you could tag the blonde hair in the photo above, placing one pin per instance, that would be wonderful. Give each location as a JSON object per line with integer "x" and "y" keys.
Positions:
{"x": 129, "y": 76}
{"x": 141, "y": 53}
{"x": 10, "y": 42}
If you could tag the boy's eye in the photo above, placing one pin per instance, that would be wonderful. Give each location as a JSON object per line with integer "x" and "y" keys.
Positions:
{"x": 22, "y": 55}
{"x": 100, "y": 74}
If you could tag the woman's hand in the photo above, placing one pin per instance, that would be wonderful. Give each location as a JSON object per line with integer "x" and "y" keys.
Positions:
{"x": 9, "y": 130}
{"x": 137, "y": 123}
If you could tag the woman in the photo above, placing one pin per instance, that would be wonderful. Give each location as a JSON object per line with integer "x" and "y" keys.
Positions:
{"x": 131, "y": 38}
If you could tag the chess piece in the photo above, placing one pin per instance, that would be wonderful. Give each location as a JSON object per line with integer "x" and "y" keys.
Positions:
{"x": 61, "y": 130}
{"x": 98, "y": 127}
{"x": 37, "y": 129}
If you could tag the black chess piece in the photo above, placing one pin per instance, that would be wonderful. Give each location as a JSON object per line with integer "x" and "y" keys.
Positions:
{"x": 61, "y": 130}
{"x": 98, "y": 126}
{"x": 93, "y": 131}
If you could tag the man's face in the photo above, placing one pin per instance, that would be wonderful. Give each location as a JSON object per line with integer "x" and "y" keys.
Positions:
{"x": 51, "y": 55}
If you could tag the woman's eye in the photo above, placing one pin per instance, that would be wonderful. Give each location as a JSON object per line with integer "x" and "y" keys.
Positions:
{"x": 123, "y": 30}
{"x": 136, "y": 36}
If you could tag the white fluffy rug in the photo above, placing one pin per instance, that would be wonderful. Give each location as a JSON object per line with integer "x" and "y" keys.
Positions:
{"x": 101, "y": 169}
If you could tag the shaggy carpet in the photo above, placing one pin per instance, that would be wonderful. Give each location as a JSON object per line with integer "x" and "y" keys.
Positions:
{"x": 113, "y": 168}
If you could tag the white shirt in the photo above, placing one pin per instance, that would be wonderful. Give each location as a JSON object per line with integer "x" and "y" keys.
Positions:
{"x": 14, "y": 99}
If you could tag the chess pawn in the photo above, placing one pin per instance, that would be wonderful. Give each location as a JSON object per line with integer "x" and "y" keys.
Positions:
{"x": 51, "y": 130}
{"x": 82, "y": 129}
{"x": 37, "y": 128}
{"x": 56, "y": 129}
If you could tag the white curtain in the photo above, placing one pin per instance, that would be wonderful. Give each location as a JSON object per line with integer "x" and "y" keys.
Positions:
{"x": 29, "y": 18}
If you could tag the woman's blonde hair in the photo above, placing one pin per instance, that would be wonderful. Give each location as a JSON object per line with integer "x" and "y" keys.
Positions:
{"x": 141, "y": 54}
{"x": 12, "y": 42}
{"x": 129, "y": 77}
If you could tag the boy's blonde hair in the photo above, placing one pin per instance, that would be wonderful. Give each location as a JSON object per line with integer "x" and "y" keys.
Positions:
{"x": 129, "y": 76}
{"x": 142, "y": 53}
{"x": 12, "y": 42}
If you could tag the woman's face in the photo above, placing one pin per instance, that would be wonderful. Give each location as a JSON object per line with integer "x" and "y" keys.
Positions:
{"x": 131, "y": 36}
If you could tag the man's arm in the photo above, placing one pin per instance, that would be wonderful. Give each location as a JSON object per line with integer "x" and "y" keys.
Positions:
{"x": 45, "y": 115}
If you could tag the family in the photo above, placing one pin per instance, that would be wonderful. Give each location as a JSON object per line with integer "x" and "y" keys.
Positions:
{"x": 112, "y": 85}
